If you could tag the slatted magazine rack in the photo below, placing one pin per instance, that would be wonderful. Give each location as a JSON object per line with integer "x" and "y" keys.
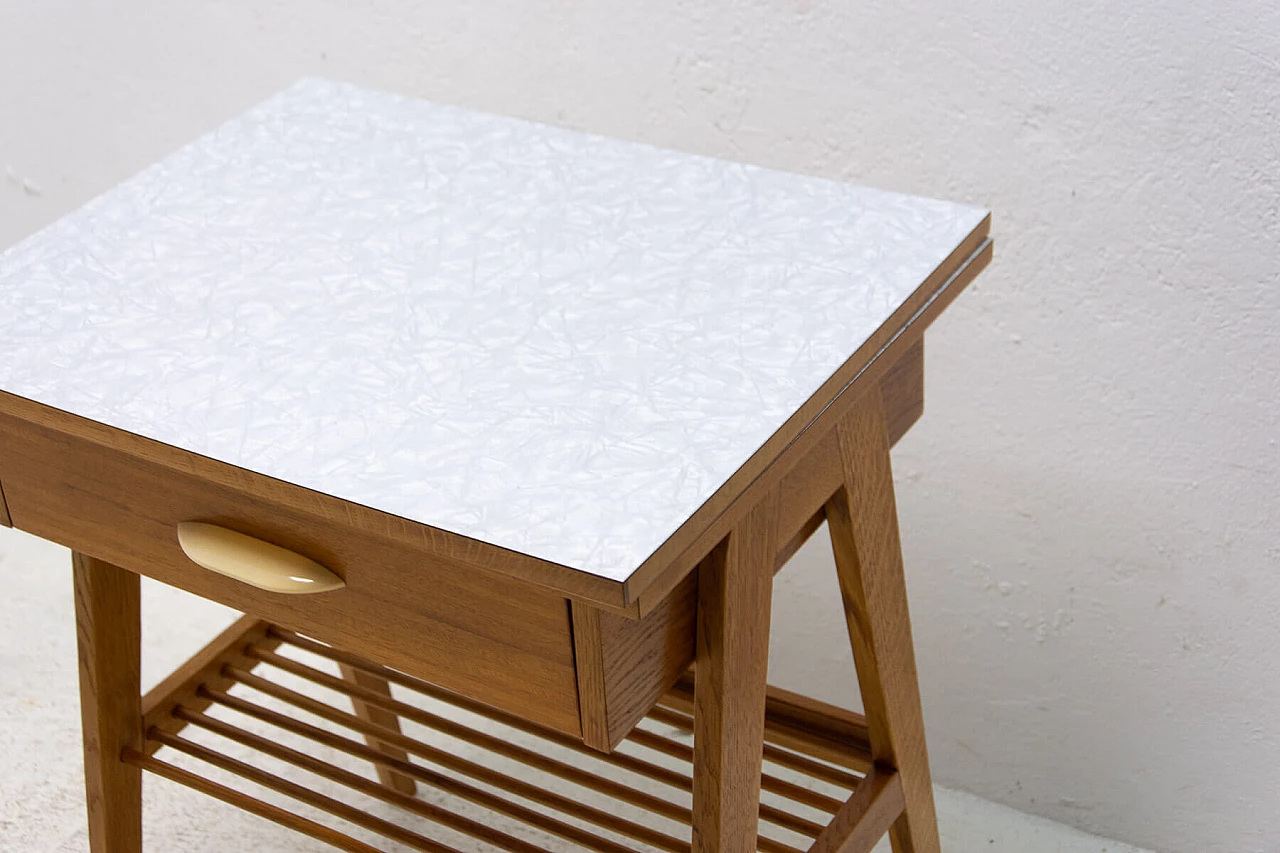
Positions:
{"x": 485, "y": 768}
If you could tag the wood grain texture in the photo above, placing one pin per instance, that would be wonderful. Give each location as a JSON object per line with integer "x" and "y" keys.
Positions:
{"x": 270, "y": 781}
{"x": 501, "y": 746}
{"x": 318, "y": 766}
{"x": 434, "y": 546}
{"x": 735, "y": 591}
{"x": 439, "y": 784}
{"x": 684, "y": 549}
{"x": 536, "y": 758}
{"x": 762, "y": 472}
{"x": 528, "y": 765}
{"x": 625, "y": 665}
{"x": 202, "y": 669}
{"x": 632, "y": 662}
{"x": 644, "y": 658}
{"x": 771, "y": 752}
{"x": 593, "y": 697}
{"x": 5, "y": 521}
{"x": 253, "y": 805}
{"x": 810, "y": 473}
{"x": 108, "y": 641}
{"x": 384, "y": 719}
{"x": 808, "y": 486}
{"x": 902, "y": 389}
{"x": 805, "y": 490}
{"x": 864, "y": 536}
{"x": 865, "y": 817}
{"x": 450, "y": 626}
{"x": 798, "y": 722}
{"x": 618, "y": 759}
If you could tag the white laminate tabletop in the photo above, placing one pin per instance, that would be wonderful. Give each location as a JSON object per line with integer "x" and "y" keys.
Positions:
{"x": 554, "y": 342}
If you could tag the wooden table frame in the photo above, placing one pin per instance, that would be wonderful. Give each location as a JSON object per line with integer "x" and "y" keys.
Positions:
{"x": 729, "y": 697}
{"x": 629, "y": 650}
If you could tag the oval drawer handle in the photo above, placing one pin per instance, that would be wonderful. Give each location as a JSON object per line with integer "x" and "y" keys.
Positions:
{"x": 253, "y": 561}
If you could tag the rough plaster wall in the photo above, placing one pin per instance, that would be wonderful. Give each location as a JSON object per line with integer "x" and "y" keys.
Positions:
{"x": 1090, "y": 504}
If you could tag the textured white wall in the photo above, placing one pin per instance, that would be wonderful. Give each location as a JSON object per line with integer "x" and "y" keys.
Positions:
{"x": 1090, "y": 505}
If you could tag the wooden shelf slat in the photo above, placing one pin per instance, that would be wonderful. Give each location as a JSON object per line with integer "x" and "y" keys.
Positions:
{"x": 337, "y": 808}
{"x": 243, "y": 801}
{"x": 371, "y": 788}
{"x": 464, "y": 791}
{"x": 799, "y": 723}
{"x": 772, "y": 752}
{"x": 809, "y": 752}
{"x": 456, "y": 730}
{"x": 640, "y": 737}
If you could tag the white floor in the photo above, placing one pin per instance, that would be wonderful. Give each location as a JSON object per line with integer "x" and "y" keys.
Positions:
{"x": 42, "y": 800}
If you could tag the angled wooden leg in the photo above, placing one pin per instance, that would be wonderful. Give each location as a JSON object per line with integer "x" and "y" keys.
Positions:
{"x": 735, "y": 591}
{"x": 380, "y": 717}
{"x": 108, "y": 626}
{"x": 864, "y": 536}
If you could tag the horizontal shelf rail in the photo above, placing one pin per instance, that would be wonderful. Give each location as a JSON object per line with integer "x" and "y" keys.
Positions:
{"x": 259, "y": 708}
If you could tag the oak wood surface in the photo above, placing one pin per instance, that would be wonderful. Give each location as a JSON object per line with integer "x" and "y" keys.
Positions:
{"x": 593, "y": 696}
{"x": 385, "y": 719}
{"x": 902, "y": 389}
{"x": 356, "y": 782}
{"x": 771, "y": 752}
{"x": 864, "y": 537}
{"x": 253, "y": 805}
{"x": 735, "y": 590}
{"x": 108, "y": 641}
{"x": 768, "y": 782}
{"x": 520, "y": 775}
{"x": 814, "y": 479}
{"x": 441, "y": 783}
{"x": 280, "y": 785}
{"x": 621, "y": 760}
{"x": 631, "y": 663}
{"x": 671, "y": 562}
{"x": 865, "y": 817}
{"x": 798, "y": 722}
{"x": 535, "y": 760}
{"x": 450, "y": 626}
{"x": 500, "y": 746}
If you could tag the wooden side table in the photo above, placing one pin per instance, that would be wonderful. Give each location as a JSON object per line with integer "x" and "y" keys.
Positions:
{"x": 518, "y": 420}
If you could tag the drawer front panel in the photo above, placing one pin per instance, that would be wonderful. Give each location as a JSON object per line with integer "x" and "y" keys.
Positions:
{"x": 497, "y": 640}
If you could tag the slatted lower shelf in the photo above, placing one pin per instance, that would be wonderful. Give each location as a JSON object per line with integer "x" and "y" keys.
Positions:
{"x": 264, "y": 720}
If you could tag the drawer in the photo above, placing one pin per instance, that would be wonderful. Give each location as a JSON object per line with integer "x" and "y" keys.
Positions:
{"x": 499, "y": 640}
{"x": 519, "y": 647}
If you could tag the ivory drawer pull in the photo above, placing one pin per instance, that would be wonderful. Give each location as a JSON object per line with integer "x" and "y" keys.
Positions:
{"x": 253, "y": 561}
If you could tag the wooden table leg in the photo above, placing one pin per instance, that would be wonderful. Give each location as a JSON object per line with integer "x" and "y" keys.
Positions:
{"x": 379, "y": 717}
{"x": 108, "y": 628}
{"x": 864, "y": 536}
{"x": 735, "y": 591}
